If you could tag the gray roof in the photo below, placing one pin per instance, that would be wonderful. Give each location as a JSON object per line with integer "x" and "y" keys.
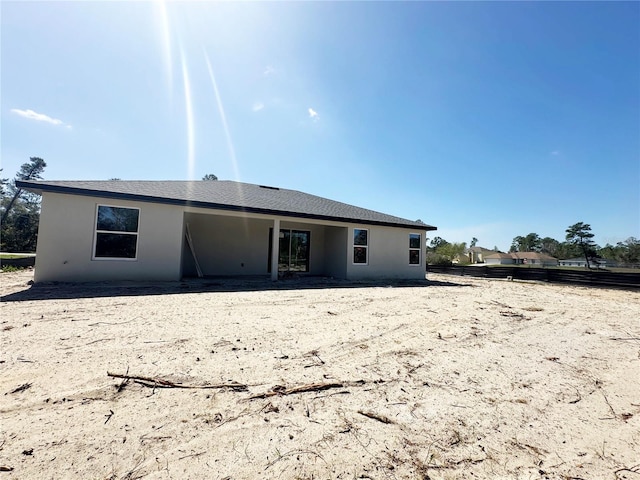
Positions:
{"x": 225, "y": 195}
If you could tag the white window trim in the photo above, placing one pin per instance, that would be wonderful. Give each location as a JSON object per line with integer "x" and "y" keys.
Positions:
{"x": 353, "y": 246}
{"x": 418, "y": 249}
{"x": 96, "y": 232}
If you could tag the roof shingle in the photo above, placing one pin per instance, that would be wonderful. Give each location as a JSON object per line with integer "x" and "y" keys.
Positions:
{"x": 225, "y": 195}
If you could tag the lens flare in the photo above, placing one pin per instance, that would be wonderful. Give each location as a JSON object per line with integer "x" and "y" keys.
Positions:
{"x": 166, "y": 43}
{"x": 223, "y": 117}
{"x": 191, "y": 155}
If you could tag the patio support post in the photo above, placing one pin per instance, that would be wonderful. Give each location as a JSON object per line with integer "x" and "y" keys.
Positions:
{"x": 275, "y": 241}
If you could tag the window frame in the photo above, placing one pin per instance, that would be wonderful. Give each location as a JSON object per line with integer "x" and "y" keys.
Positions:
{"x": 113, "y": 232}
{"x": 414, "y": 249}
{"x": 354, "y": 246}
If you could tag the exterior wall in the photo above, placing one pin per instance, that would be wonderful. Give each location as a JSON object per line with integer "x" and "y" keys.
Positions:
{"x": 228, "y": 245}
{"x": 538, "y": 261}
{"x": 66, "y": 236}
{"x": 337, "y": 247}
{"x": 388, "y": 254}
{"x": 499, "y": 261}
{"x": 573, "y": 263}
{"x": 225, "y": 244}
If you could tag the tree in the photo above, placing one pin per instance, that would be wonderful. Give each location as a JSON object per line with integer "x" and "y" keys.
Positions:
{"x": 31, "y": 170}
{"x": 21, "y": 210}
{"x": 209, "y": 177}
{"x": 550, "y": 246}
{"x": 451, "y": 250}
{"x": 438, "y": 242}
{"x": 473, "y": 243}
{"x": 631, "y": 250}
{"x": 627, "y": 252}
{"x": 4, "y": 183}
{"x": 441, "y": 252}
{"x": 530, "y": 243}
{"x": 580, "y": 235}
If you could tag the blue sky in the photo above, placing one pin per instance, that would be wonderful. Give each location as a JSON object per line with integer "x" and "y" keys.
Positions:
{"x": 486, "y": 119}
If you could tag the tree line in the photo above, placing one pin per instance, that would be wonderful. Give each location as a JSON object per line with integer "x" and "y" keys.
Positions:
{"x": 578, "y": 243}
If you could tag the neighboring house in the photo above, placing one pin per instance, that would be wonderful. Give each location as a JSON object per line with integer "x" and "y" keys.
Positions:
{"x": 534, "y": 258}
{"x": 166, "y": 230}
{"x": 478, "y": 254}
{"x": 573, "y": 262}
{"x": 521, "y": 258}
{"x": 499, "y": 259}
{"x": 581, "y": 262}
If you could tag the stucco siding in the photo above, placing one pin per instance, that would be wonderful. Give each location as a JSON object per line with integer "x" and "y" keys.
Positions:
{"x": 228, "y": 245}
{"x": 337, "y": 249}
{"x": 66, "y": 242}
{"x": 499, "y": 261}
{"x": 388, "y": 255}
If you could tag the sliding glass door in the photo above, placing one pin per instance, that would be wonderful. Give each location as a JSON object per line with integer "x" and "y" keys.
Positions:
{"x": 293, "y": 250}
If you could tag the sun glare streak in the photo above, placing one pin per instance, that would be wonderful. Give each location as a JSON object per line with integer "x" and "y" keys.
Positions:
{"x": 191, "y": 160}
{"x": 232, "y": 152}
{"x": 223, "y": 117}
{"x": 166, "y": 44}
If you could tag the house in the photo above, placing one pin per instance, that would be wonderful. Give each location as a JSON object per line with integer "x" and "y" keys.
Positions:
{"x": 534, "y": 258}
{"x": 521, "y": 258}
{"x": 595, "y": 262}
{"x": 478, "y": 254}
{"x": 166, "y": 230}
{"x": 499, "y": 259}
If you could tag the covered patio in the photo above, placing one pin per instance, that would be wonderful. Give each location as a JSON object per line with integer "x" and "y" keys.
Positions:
{"x": 232, "y": 245}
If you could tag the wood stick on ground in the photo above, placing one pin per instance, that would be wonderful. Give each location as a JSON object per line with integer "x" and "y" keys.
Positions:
{"x": 153, "y": 382}
{"x": 635, "y": 469}
{"x": 21, "y": 388}
{"x": 375, "y": 416}
{"x": 311, "y": 387}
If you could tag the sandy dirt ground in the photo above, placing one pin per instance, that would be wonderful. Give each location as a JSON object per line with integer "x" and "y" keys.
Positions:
{"x": 448, "y": 379}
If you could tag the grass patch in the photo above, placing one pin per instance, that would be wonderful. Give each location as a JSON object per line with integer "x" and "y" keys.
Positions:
{"x": 12, "y": 256}
{"x": 11, "y": 268}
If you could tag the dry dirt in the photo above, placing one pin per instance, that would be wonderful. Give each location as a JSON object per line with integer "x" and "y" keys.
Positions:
{"x": 454, "y": 378}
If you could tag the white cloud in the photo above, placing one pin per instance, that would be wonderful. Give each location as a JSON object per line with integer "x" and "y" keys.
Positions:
{"x": 313, "y": 114}
{"x": 555, "y": 153}
{"x": 39, "y": 117}
{"x": 257, "y": 106}
{"x": 268, "y": 70}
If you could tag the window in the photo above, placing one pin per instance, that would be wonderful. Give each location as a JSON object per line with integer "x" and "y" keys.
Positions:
{"x": 116, "y": 233}
{"x": 360, "y": 246}
{"x": 415, "y": 244}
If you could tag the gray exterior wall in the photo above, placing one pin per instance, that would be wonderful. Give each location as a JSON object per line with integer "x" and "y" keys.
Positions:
{"x": 66, "y": 236}
{"x": 337, "y": 248}
{"x": 499, "y": 261}
{"x": 225, "y": 244}
{"x": 388, "y": 254}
